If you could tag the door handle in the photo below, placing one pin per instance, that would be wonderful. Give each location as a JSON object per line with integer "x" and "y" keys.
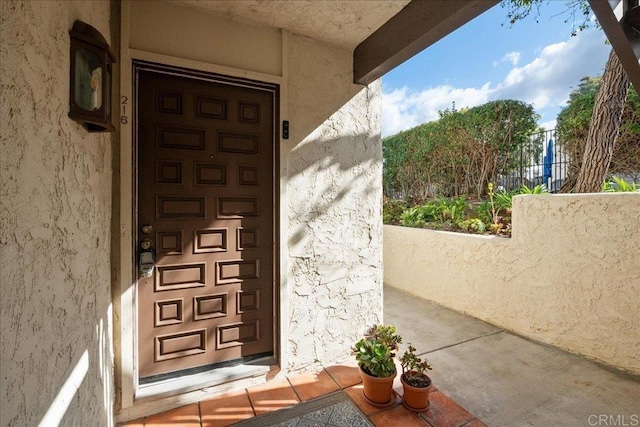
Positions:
{"x": 146, "y": 259}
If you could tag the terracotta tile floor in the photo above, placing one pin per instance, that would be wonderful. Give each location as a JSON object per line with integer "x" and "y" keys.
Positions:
{"x": 230, "y": 408}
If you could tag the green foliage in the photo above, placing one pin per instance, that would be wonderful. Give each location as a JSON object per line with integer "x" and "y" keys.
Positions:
{"x": 578, "y": 12}
{"x": 449, "y": 210}
{"x": 458, "y": 214}
{"x": 473, "y": 225}
{"x": 616, "y": 185}
{"x": 458, "y": 153}
{"x": 414, "y": 368}
{"x": 503, "y": 201}
{"x": 392, "y": 210}
{"x": 374, "y": 352}
{"x": 374, "y": 357}
{"x": 413, "y": 217}
{"x": 482, "y": 211}
{"x": 386, "y": 334}
{"x": 440, "y": 210}
{"x": 538, "y": 189}
{"x": 411, "y": 362}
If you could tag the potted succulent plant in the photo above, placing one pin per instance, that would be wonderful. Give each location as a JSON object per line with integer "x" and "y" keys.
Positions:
{"x": 416, "y": 383}
{"x": 387, "y": 335}
{"x": 377, "y": 368}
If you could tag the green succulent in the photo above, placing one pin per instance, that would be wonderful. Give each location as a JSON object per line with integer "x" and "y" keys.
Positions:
{"x": 374, "y": 357}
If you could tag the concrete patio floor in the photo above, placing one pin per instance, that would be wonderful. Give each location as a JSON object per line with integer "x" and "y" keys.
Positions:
{"x": 506, "y": 380}
{"x": 277, "y": 395}
{"x": 484, "y": 375}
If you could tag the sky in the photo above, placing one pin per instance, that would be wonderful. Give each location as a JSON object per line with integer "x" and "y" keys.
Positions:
{"x": 539, "y": 63}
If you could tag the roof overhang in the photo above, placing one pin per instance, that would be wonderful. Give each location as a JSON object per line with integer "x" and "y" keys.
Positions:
{"x": 381, "y": 33}
{"x": 385, "y": 33}
{"x": 620, "y": 20}
{"x": 420, "y": 24}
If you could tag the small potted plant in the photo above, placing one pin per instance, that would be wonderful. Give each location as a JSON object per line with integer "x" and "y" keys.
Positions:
{"x": 377, "y": 368}
{"x": 387, "y": 335}
{"x": 416, "y": 383}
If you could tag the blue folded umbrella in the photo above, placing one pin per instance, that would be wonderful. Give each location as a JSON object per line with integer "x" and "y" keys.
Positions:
{"x": 547, "y": 162}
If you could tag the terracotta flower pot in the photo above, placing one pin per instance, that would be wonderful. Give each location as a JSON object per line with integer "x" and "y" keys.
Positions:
{"x": 378, "y": 391}
{"x": 416, "y": 398}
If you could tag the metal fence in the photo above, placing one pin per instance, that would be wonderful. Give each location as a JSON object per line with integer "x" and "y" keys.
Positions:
{"x": 542, "y": 161}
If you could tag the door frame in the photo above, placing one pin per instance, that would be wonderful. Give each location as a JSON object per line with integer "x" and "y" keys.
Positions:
{"x": 125, "y": 295}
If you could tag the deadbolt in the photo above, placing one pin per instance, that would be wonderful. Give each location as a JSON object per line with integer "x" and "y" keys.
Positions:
{"x": 147, "y": 229}
{"x": 146, "y": 244}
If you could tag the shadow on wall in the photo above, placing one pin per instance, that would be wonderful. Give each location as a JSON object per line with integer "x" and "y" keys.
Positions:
{"x": 333, "y": 170}
{"x": 334, "y": 178}
{"x": 334, "y": 196}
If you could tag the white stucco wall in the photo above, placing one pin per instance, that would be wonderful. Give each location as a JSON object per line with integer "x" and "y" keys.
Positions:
{"x": 569, "y": 276}
{"x": 334, "y": 194}
{"x": 56, "y": 352}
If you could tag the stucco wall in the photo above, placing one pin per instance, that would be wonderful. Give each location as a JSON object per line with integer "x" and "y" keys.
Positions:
{"x": 56, "y": 352}
{"x": 569, "y": 276}
{"x": 190, "y": 33}
{"x": 334, "y": 192}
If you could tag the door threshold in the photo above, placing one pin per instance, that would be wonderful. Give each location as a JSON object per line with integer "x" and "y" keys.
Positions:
{"x": 214, "y": 377}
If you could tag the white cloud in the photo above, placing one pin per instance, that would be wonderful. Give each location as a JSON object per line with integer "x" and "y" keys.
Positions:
{"x": 551, "y": 124}
{"x": 548, "y": 79}
{"x": 545, "y": 82}
{"x": 512, "y": 58}
{"x": 402, "y": 109}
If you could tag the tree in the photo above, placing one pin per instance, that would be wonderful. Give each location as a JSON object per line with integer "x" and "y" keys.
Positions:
{"x": 459, "y": 153}
{"x": 573, "y": 129}
{"x": 608, "y": 109}
{"x": 605, "y": 127}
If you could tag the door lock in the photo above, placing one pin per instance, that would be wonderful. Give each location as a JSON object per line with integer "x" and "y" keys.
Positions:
{"x": 147, "y": 260}
{"x": 146, "y": 244}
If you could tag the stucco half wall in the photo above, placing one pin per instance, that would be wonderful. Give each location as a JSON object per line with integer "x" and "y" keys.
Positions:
{"x": 569, "y": 276}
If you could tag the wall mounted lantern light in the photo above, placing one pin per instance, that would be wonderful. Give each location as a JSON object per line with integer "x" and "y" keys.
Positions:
{"x": 90, "y": 84}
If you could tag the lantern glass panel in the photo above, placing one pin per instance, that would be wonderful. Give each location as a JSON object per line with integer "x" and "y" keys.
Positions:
{"x": 88, "y": 81}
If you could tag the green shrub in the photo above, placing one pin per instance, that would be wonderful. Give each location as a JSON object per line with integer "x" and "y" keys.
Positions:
{"x": 616, "y": 185}
{"x": 391, "y": 211}
{"x": 483, "y": 212}
{"x": 538, "y": 189}
{"x": 450, "y": 209}
{"x": 473, "y": 225}
{"x": 412, "y": 217}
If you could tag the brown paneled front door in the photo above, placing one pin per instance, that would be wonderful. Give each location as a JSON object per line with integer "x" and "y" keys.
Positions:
{"x": 206, "y": 208}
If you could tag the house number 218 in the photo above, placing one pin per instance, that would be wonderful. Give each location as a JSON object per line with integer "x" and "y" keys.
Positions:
{"x": 123, "y": 118}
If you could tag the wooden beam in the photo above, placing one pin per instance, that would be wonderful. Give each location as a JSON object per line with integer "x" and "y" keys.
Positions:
{"x": 622, "y": 39}
{"x": 420, "y": 24}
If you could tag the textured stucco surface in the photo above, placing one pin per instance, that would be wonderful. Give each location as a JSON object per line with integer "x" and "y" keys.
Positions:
{"x": 188, "y": 33}
{"x": 344, "y": 24}
{"x": 334, "y": 167}
{"x": 54, "y": 240}
{"x": 569, "y": 276}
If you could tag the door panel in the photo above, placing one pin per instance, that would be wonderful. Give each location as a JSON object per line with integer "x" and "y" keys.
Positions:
{"x": 206, "y": 202}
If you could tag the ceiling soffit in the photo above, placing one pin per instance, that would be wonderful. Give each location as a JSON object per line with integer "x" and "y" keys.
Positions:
{"x": 342, "y": 23}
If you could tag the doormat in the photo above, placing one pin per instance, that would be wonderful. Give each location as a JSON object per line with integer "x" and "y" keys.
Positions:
{"x": 333, "y": 410}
